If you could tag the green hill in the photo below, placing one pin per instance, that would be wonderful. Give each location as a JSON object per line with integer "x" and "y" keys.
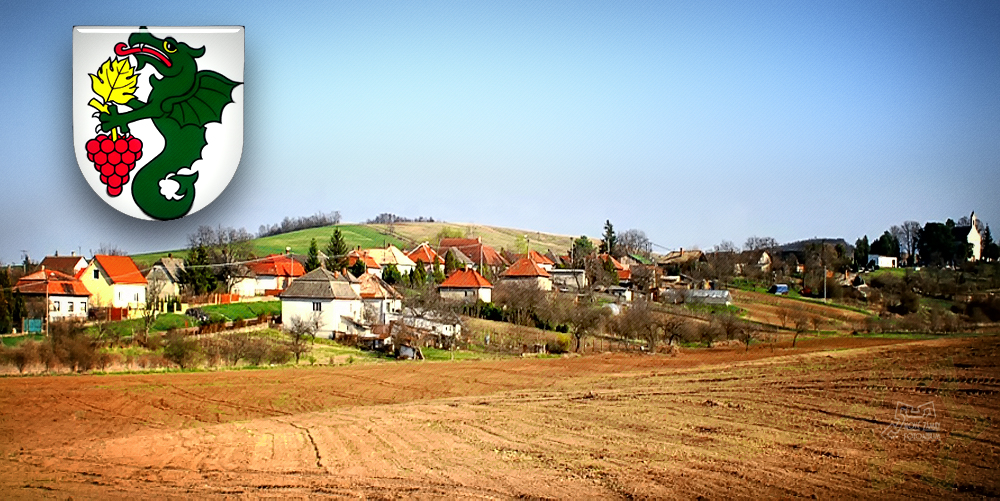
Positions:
{"x": 405, "y": 236}
{"x": 365, "y": 236}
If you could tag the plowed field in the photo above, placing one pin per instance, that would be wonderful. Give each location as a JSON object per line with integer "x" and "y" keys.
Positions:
{"x": 818, "y": 420}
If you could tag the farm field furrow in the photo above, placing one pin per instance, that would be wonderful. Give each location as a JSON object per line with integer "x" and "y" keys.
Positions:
{"x": 818, "y": 420}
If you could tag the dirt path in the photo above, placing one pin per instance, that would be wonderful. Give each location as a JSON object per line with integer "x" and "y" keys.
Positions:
{"x": 801, "y": 422}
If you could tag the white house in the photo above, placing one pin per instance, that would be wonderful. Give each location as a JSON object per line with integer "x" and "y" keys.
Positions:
{"x": 379, "y": 298}
{"x": 275, "y": 272}
{"x": 328, "y": 295}
{"x": 466, "y": 285}
{"x": 67, "y": 297}
{"x": 883, "y": 261}
{"x": 167, "y": 271}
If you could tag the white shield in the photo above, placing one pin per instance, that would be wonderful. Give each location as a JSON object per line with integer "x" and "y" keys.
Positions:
{"x": 158, "y": 115}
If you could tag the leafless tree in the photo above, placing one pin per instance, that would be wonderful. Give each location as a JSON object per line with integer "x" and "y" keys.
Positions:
{"x": 634, "y": 241}
{"x": 784, "y": 314}
{"x": 910, "y": 232}
{"x": 302, "y": 330}
{"x": 801, "y": 321}
{"x": 729, "y": 325}
{"x": 747, "y": 333}
{"x": 228, "y": 248}
{"x": 760, "y": 243}
{"x": 643, "y": 278}
{"x": 110, "y": 250}
{"x": 586, "y": 319}
{"x": 519, "y": 299}
{"x": 154, "y": 286}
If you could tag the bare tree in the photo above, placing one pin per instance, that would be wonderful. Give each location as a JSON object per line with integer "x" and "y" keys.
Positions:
{"x": 154, "y": 286}
{"x": 760, "y": 243}
{"x": 300, "y": 331}
{"x": 784, "y": 314}
{"x": 801, "y": 321}
{"x": 520, "y": 300}
{"x": 643, "y": 278}
{"x": 586, "y": 319}
{"x": 634, "y": 241}
{"x": 228, "y": 248}
{"x": 910, "y": 233}
{"x": 110, "y": 250}
{"x": 747, "y": 333}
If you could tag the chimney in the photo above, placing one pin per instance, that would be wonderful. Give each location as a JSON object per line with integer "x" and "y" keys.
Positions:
{"x": 57, "y": 254}
{"x": 72, "y": 253}
{"x": 682, "y": 251}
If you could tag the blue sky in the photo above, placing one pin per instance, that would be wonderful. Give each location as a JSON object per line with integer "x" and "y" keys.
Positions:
{"x": 693, "y": 121}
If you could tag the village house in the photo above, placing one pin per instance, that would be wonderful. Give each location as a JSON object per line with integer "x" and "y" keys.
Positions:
{"x": 525, "y": 271}
{"x": 425, "y": 256}
{"x": 114, "y": 281}
{"x": 66, "y": 296}
{"x": 569, "y": 280}
{"x": 71, "y": 265}
{"x": 463, "y": 261}
{"x": 466, "y": 285}
{"x": 166, "y": 273}
{"x": 332, "y": 297}
{"x": 541, "y": 260}
{"x": 380, "y": 299}
{"x": 883, "y": 261}
{"x": 392, "y": 255}
{"x": 623, "y": 272}
{"x": 371, "y": 267}
{"x": 275, "y": 272}
{"x": 474, "y": 248}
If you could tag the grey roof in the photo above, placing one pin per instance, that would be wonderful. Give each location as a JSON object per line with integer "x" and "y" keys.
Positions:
{"x": 173, "y": 266}
{"x": 460, "y": 256}
{"x": 321, "y": 284}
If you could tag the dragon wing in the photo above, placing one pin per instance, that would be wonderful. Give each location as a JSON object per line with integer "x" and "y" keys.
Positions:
{"x": 213, "y": 92}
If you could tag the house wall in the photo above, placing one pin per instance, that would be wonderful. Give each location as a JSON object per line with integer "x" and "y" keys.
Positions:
{"x": 383, "y": 308}
{"x": 60, "y": 306}
{"x": 543, "y": 283}
{"x": 265, "y": 282}
{"x": 246, "y": 287}
{"x": 170, "y": 288}
{"x": 105, "y": 293}
{"x": 570, "y": 279}
{"x": 977, "y": 243}
{"x": 485, "y": 294}
{"x": 883, "y": 261}
{"x": 330, "y": 313}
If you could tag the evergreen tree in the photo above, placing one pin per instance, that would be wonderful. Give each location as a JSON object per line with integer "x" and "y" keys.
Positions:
{"x": 582, "y": 248}
{"x": 6, "y": 303}
{"x": 438, "y": 272}
{"x": 886, "y": 245}
{"x": 197, "y": 274}
{"x": 336, "y": 252}
{"x": 990, "y": 251}
{"x": 391, "y": 274}
{"x": 861, "y": 251}
{"x": 450, "y": 263}
{"x": 610, "y": 271}
{"x": 312, "y": 261}
{"x": 358, "y": 268}
{"x": 609, "y": 243}
{"x": 419, "y": 276}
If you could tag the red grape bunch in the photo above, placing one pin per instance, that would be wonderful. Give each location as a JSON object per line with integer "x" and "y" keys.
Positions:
{"x": 114, "y": 159}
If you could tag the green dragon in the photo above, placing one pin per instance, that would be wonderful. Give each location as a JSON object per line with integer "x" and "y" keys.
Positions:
{"x": 181, "y": 104}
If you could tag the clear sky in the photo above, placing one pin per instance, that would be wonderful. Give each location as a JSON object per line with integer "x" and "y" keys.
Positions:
{"x": 693, "y": 121}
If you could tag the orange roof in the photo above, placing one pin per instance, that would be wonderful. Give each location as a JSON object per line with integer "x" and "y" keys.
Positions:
{"x": 536, "y": 257}
{"x": 474, "y": 249}
{"x": 466, "y": 279}
{"x": 373, "y": 287}
{"x": 51, "y": 282}
{"x": 121, "y": 269}
{"x": 618, "y": 266}
{"x": 525, "y": 267}
{"x": 624, "y": 274}
{"x": 277, "y": 265}
{"x": 423, "y": 254}
{"x": 370, "y": 263}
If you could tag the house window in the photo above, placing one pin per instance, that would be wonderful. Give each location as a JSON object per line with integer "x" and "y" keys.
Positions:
{"x": 69, "y": 306}
{"x": 137, "y": 297}
{"x": 55, "y": 305}
{"x": 83, "y": 306}
{"x": 317, "y": 306}
{"x": 97, "y": 273}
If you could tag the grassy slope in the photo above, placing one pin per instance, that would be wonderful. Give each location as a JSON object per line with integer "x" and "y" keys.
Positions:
{"x": 493, "y": 236}
{"x": 355, "y": 235}
{"x": 375, "y": 235}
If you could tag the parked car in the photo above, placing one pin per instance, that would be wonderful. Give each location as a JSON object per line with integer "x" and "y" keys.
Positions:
{"x": 198, "y": 314}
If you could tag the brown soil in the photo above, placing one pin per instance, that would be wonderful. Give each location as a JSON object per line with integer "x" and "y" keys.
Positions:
{"x": 767, "y": 308}
{"x": 722, "y": 423}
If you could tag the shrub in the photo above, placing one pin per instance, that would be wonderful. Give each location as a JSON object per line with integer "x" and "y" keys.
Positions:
{"x": 182, "y": 350}
{"x": 23, "y": 355}
{"x": 560, "y": 345}
{"x": 279, "y": 353}
{"x": 72, "y": 346}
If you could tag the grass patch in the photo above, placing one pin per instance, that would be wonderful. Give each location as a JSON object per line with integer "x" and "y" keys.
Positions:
{"x": 167, "y": 321}
{"x": 437, "y": 354}
{"x": 9, "y": 341}
{"x": 716, "y": 309}
{"x": 244, "y": 311}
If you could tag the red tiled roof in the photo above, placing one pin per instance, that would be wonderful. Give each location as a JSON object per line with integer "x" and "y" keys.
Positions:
{"x": 618, "y": 266}
{"x": 370, "y": 263}
{"x": 466, "y": 279}
{"x": 525, "y": 267}
{"x": 624, "y": 274}
{"x": 423, "y": 254}
{"x": 474, "y": 249}
{"x": 536, "y": 257}
{"x": 277, "y": 265}
{"x": 56, "y": 283}
{"x": 121, "y": 269}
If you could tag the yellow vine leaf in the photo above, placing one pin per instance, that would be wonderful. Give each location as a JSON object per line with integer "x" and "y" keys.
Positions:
{"x": 114, "y": 82}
